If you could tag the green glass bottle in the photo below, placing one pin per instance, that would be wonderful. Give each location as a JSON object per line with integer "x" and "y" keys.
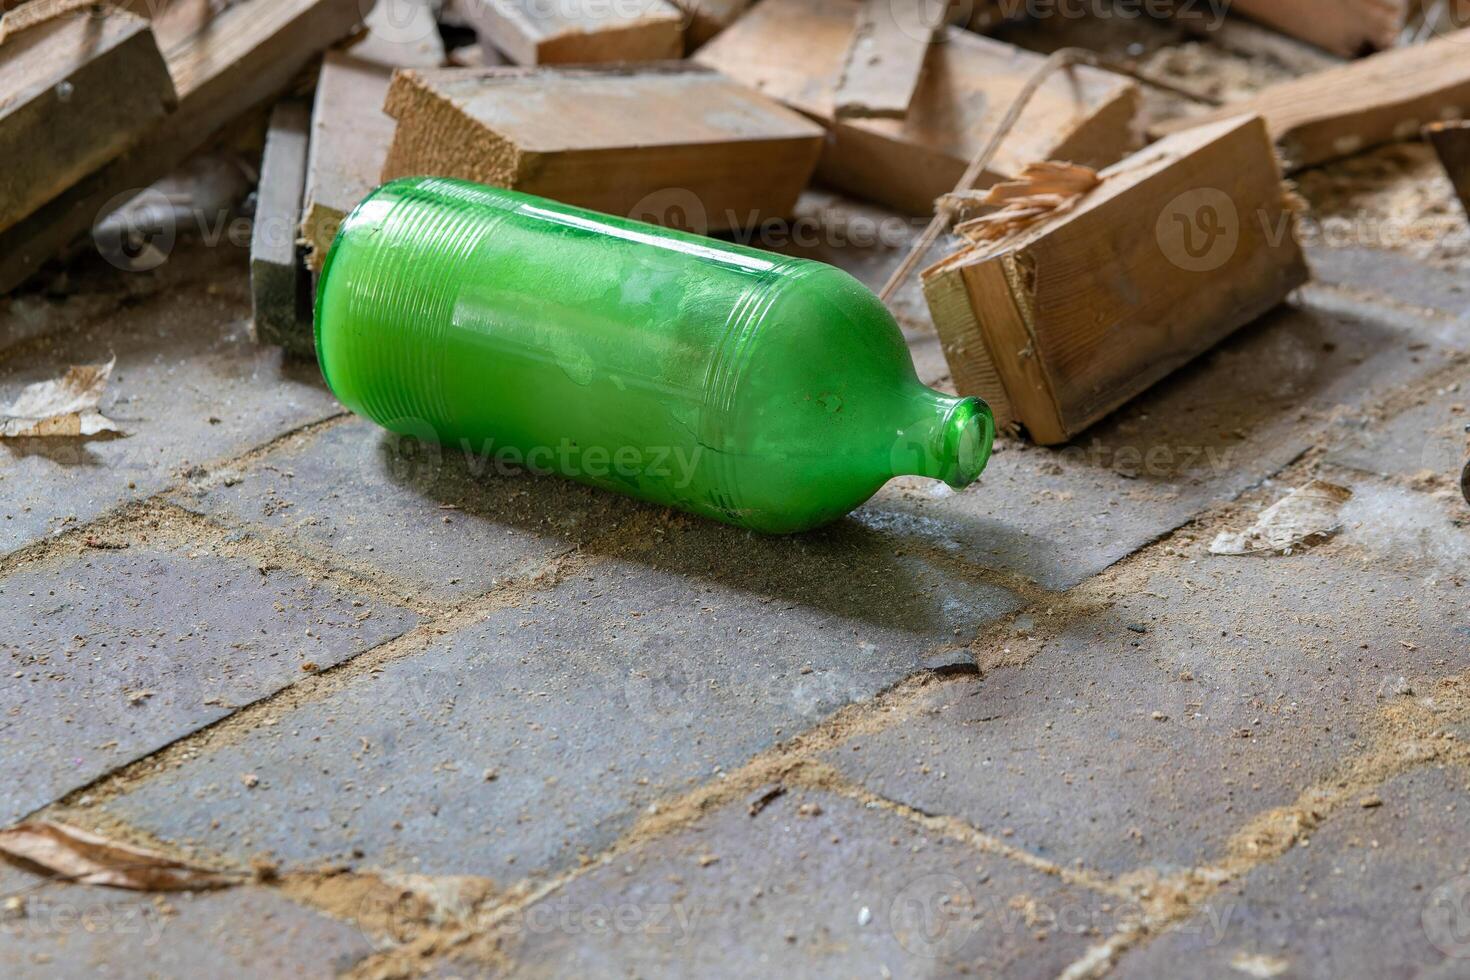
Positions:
{"x": 772, "y": 393}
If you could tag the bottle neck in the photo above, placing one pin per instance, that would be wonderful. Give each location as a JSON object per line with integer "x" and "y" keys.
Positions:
{"x": 950, "y": 440}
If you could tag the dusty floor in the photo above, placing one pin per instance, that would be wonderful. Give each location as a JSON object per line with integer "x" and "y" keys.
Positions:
{"x": 449, "y": 721}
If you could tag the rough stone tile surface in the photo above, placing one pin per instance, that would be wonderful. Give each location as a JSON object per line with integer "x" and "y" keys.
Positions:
{"x": 813, "y": 885}
{"x": 61, "y": 931}
{"x": 1380, "y": 892}
{"x": 112, "y": 654}
{"x": 586, "y": 704}
{"x": 188, "y": 388}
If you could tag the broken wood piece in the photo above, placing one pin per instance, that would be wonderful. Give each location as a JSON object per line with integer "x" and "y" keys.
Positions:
{"x": 885, "y": 58}
{"x": 280, "y": 291}
{"x": 669, "y": 143}
{"x": 1352, "y": 108}
{"x": 1452, "y": 142}
{"x": 67, "y": 407}
{"x": 793, "y": 51}
{"x": 534, "y": 32}
{"x": 1349, "y": 28}
{"x": 350, "y": 137}
{"x": 1042, "y": 190}
{"x": 75, "y": 92}
{"x": 80, "y": 856}
{"x": 706, "y": 18}
{"x": 1178, "y": 246}
{"x": 244, "y": 55}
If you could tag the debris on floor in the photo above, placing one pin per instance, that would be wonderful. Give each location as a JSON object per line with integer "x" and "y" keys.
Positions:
{"x": 64, "y": 407}
{"x": 79, "y": 856}
{"x": 1306, "y": 516}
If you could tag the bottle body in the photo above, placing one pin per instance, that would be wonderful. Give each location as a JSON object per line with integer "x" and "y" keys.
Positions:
{"x": 768, "y": 392}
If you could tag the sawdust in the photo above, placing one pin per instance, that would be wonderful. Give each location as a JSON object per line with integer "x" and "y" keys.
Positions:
{"x": 1396, "y": 197}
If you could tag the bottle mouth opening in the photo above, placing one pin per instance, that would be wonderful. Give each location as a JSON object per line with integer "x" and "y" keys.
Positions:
{"x": 967, "y": 437}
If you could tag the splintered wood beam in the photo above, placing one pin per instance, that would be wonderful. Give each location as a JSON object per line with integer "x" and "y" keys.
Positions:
{"x": 1175, "y": 248}
{"x": 670, "y": 143}
{"x": 350, "y": 137}
{"x": 280, "y": 293}
{"x": 534, "y": 32}
{"x": 1352, "y": 108}
{"x": 885, "y": 58}
{"x": 242, "y": 56}
{"x": 75, "y": 92}
{"x": 1452, "y": 142}
{"x": 793, "y": 51}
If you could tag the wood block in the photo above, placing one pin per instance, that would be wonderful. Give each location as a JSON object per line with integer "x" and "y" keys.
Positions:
{"x": 885, "y": 58}
{"x": 705, "y": 18}
{"x": 793, "y": 51}
{"x": 280, "y": 291}
{"x": 1352, "y": 108}
{"x": 1178, "y": 246}
{"x": 671, "y": 143}
{"x": 245, "y": 55}
{"x": 1346, "y": 27}
{"x": 1452, "y": 142}
{"x": 102, "y": 74}
{"x": 547, "y": 32}
{"x": 350, "y": 137}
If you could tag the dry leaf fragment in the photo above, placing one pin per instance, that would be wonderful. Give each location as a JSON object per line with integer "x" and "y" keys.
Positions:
{"x": 64, "y": 407}
{"x": 1306, "y": 516}
{"x": 90, "y": 859}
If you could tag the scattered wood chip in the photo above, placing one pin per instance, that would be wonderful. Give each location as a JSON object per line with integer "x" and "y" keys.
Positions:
{"x": 1042, "y": 190}
{"x": 66, "y": 406}
{"x": 90, "y": 859}
{"x": 765, "y": 798}
{"x": 705, "y": 860}
{"x": 1304, "y": 517}
{"x": 1369, "y": 802}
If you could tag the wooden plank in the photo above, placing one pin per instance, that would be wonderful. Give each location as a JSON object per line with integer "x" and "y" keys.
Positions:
{"x": 246, "y": 55}
{"x": 103, "y": 73}
{"x": 1452, "y": 142}
{"x": 535, "y": 32}
{"x": 1352, "y": 108}
{"x": 884, "y": 59}
{"x": 350, "y": 137}
{"x": 1178, "y": 246}
{"x": 703, "y": 19}
{"x": 667, "y": 142}
{"x": 793, "y": 51}
{"x": 280, "y": 292}
{"x": 1349, "y": 28}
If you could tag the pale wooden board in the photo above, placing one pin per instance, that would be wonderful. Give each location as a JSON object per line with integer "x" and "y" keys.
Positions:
{"x": 793, "y": 51}
{"x": 247, "y": 54}
{"x": 1352, "y": 108}
{"x": 884, "y": 59}
{"x": 103, "y": 74}
{"x": 279, "y": 292}
{"x": 350, "y": 137}
{"x": 1345, "y": 27}
{"x": 1180, "y": 245}
{"x": 611, "y": 139}
{"x": 535, "y": 32}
